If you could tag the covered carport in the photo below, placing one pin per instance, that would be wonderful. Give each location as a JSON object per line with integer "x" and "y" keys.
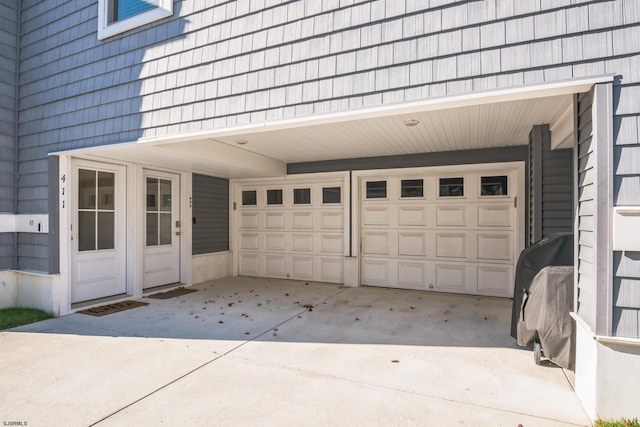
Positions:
{"x": 452, "y": 133}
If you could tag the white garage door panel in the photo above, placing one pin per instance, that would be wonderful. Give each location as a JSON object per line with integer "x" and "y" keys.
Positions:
{"x": 494, "y": 246}
{"x": 302, "y": 220}
{"x": 249, "y": 220}
{"x": 249, "y": 264}
{"x": 451, "y": 245}
{"x": 376, "y": 272}
{"x": 275, "y": 265}
{"x": 443, "y": 239}
{"x": 303, "y": 240}
{"x": 249, "y": 241}
{"x": 331, "y": 243}
{"x": 274, "y": 242}
{"x": 451, "y": 278}
{"x": 451, "y": 216}
{"x": 411, "y": 275}
{"x": 412, "y": 216}
{"x": 494, "y": 280}
{"x": 331, "y": 220}
{"x": 302, "y": 267}
{"x": 375, "y": 242}
{"x": 274, "y": 220}
{"x": 494, "y": 216}
{"x": 375, "y": 216}
{"x": 411, "y": 244}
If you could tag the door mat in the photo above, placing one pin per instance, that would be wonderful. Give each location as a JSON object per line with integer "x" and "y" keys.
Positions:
{"x": 172, "y": 293}
{"x": 103, "y": 310}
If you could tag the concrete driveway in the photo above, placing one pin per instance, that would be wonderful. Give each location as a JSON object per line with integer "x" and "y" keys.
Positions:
{"x": 246, "y": 352}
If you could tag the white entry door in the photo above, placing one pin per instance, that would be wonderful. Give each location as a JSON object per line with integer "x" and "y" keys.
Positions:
{"x": 98, "y": 231}
{"x": 162, "y": 229}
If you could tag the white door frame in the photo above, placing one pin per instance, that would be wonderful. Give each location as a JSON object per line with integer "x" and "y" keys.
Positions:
{"x": 135, "y": 222}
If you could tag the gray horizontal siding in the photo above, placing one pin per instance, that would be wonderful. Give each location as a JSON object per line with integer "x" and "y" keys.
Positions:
{"x": 586, "y": 261}
{"x": 210, "y": 214}
{"x": 466, "y": 157}
{"x": 8, "y": 90}
{"x": 7, "y": 244}
{"x": 551, "y": 186}
{"x": 33, "y": 252}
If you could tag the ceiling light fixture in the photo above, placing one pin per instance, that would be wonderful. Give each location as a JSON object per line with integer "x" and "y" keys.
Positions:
{"x": 242, "y": 142}
{"x": 411, "y": 122}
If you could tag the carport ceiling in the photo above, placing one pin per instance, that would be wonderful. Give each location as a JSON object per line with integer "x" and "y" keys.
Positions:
{"x": 469, "y": 127}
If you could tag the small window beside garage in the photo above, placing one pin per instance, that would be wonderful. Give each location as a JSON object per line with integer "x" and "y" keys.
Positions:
{"x": 274, "y": 197}
{"x": 412, "y": 188}
{"x": 301, "y": 196}
{"x": 249, "y": 198}
{"x": 451, "y": 187}
{"x": 494, "y": 186}
{"x": 376, "y": 189}
{"x": 331, "y": 195}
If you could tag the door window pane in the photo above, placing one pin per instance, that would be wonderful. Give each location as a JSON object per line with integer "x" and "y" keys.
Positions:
{"x": 106, "y": 230}
{"x": 376, "y": 189}
{"x": 152, "y": 229}
{"x": 451, "y": 187}
{"x": 301, "y": 196}
{"x": 86, "y": 231}
{"x": 331, "y": 195}
{"x": 493, "y": 185}
{"x": 96, "y": 210}
{"x": 106, "y": 182}
{"x": 152, "y": 194}
{"x": 86, "y": 189}
{"x": 165, "y": 228}
{"x": 274, "y": 197}
{"x": 412, "y": 188}
{"x": 159, "y": 212}
{"x": 165, "y": 195}
{"x": 249, "y": 198}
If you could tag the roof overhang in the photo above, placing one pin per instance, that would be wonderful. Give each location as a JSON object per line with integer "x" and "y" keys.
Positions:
{"x": 482, "y": 119}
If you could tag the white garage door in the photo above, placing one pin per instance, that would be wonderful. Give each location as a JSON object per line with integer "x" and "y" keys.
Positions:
{"x": 292, "y": 229}
{"x": 441, "y": 229}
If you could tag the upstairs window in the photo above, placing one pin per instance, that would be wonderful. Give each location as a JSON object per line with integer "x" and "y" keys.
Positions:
{"x": 117, "y": 16}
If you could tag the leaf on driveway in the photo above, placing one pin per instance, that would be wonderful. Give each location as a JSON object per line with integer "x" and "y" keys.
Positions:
{"x": 395, "y": 361}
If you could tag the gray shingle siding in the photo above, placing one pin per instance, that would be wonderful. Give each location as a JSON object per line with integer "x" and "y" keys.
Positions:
{"x": 210, "y": 214}
{"x": 8, "y": 90}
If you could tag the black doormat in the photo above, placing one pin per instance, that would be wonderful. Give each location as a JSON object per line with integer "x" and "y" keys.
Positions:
{"x": 103, "y": 310}
{"x": 172, "y": 293}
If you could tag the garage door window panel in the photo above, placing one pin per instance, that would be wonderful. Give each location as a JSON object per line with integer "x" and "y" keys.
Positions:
{"x": 451, "y": 187}
{"x": 301, "y": 196}
{"x": 274, "y": 197}
{"x": 376, "y": 189}
{"x": 249, "y": 198}
{"x": 412, "y": 188}
{"x": 491, "y": 186}
{"x": 331, "y": 195}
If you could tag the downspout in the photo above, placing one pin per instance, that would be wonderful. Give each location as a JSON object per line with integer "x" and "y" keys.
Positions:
{"x": 15, "y": 126}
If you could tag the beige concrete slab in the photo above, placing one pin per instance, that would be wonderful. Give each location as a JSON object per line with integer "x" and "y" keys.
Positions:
{"x": 273, "y": 362}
